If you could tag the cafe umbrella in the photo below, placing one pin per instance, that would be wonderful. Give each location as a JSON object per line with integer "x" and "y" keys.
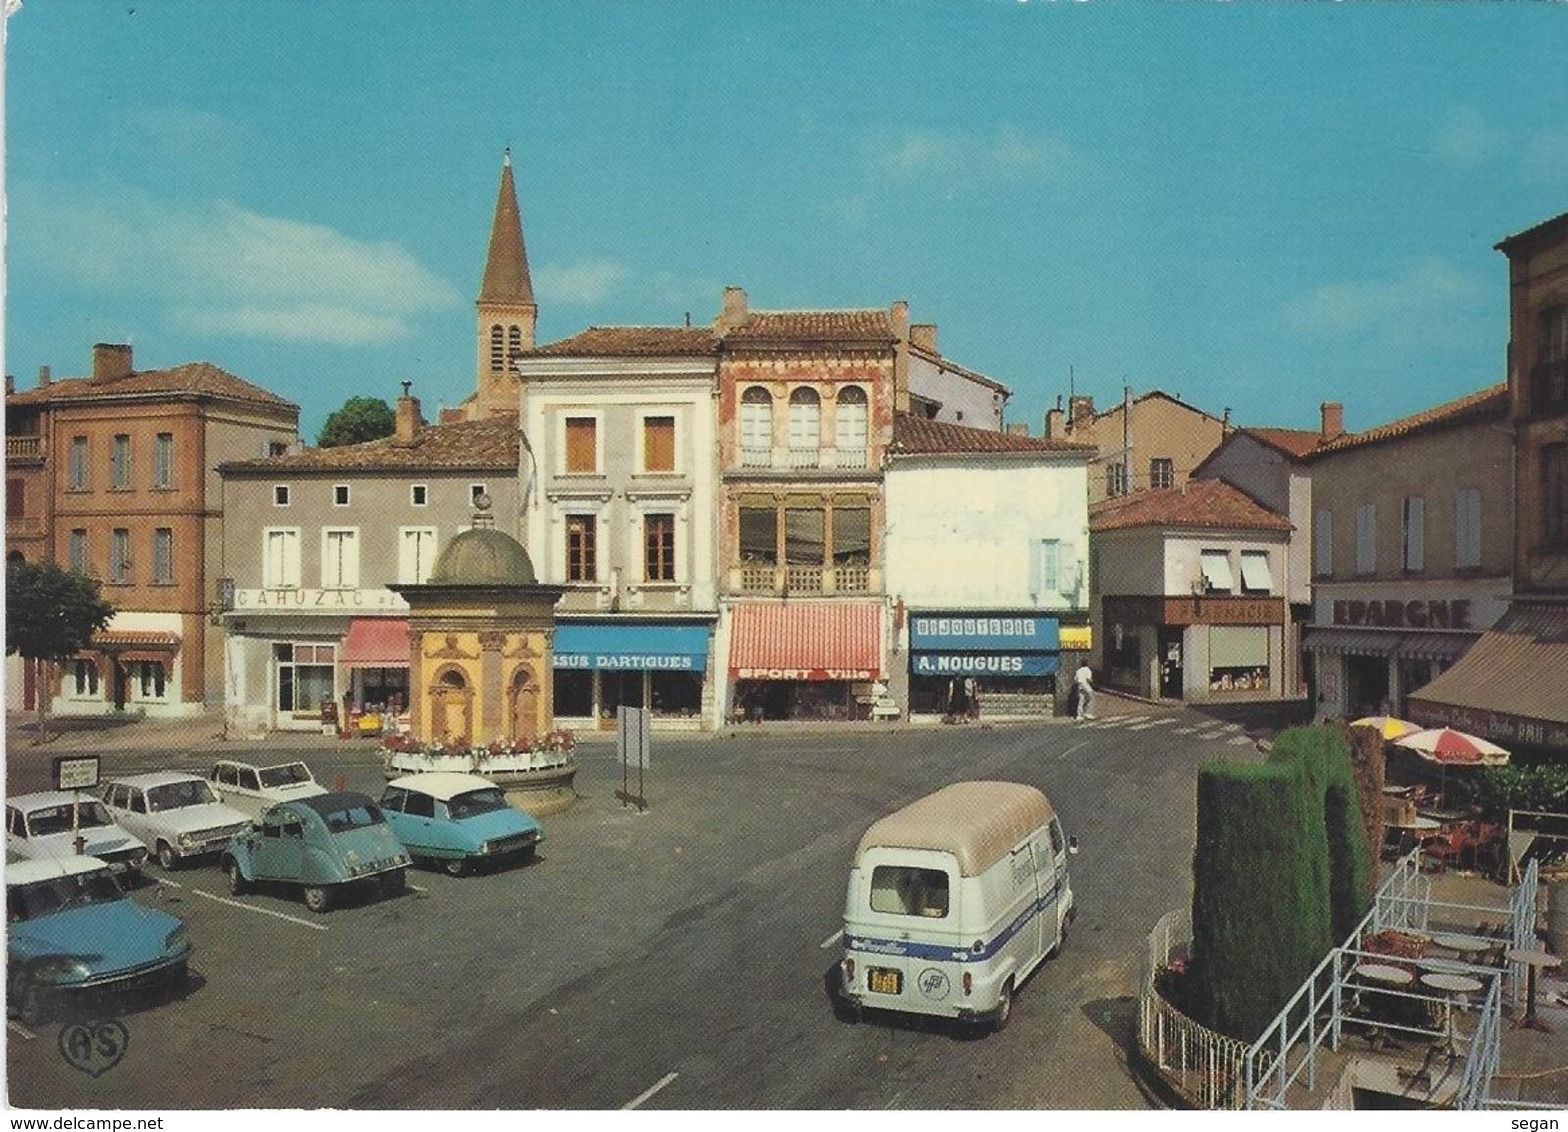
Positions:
{"x": 1447, "y": 747}
{"x": 1387, "y": 726}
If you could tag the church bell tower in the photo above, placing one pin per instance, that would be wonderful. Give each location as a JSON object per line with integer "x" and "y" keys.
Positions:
{"x": 506, "y": 310}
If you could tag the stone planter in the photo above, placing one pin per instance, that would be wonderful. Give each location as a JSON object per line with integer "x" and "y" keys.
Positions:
{"x": 537, "y": 781}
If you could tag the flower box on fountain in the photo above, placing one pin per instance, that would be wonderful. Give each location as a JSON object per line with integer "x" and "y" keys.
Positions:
{"x": 498, "y": 759}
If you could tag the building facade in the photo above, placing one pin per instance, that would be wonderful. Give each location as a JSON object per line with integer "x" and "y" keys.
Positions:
{"x": 621, "y": 422}
{"x": 987, "y": 547}
{"x": 312, "y": 542}
{"x": 1511, "y": 686}
{"x": 1153, "y": 441}
{"x": 1188, "y": 602}
{"x": 112, "y": 475}
{"x": 1411, "y": 537}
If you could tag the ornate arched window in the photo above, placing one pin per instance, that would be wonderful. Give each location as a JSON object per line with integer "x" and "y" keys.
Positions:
{"x": 805, "y": 427}
{"x": 756, "y": 428}
{"x": 850, "y": 427}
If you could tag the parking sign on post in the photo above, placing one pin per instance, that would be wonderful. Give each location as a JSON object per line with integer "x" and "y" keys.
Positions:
{"x": 631, "y": 744}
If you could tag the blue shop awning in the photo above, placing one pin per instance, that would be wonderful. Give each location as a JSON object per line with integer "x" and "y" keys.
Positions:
{"x": 636, "y": 647}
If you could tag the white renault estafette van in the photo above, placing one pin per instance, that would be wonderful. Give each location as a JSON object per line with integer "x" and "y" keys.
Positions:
{"x": 953, "y": 900}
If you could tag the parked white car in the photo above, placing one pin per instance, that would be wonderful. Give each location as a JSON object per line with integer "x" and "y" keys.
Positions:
{"x": 41, "y": 825}
{"x": 255, "y": 789}
{"x": 176, "y": 815}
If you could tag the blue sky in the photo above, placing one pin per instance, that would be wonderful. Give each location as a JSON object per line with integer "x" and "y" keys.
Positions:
{"x": 1253, "y": 206}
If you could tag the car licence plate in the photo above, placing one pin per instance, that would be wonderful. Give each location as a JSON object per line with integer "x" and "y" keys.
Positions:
{"x": 884, "y": 980}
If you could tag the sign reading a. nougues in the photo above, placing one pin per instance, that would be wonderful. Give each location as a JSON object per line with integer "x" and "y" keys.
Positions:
{"x": 983, "y": 664}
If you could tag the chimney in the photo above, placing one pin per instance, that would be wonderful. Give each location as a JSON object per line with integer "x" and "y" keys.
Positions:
{"x": 1225, "y": 422}
{"x": 407, "y": 418}
{"x": 734, "y": 312}
{"x": 10, "y": 385}
{"x": 1333, "y": 421}
{"x": 44, "y": 377}
{"x": 922, "y": 335}
{"x": 1080, "y": 409}
{"x": 111, "y": 360}
{"x": 1053, "y": 424}
{"x": 1019, "y": 428}
{"x": 901, "y": 332}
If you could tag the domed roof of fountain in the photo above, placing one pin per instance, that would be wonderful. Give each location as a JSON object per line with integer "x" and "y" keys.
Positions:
{"x": 483, "y": 556}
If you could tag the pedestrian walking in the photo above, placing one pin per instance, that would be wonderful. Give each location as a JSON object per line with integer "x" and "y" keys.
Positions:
{"x": 972, "y": 696}
{"x": 1083, "y": 682}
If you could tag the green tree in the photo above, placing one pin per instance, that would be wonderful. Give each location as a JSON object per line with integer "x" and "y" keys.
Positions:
{"x": 50, "y": 615}
{"x": 360, "y": 419}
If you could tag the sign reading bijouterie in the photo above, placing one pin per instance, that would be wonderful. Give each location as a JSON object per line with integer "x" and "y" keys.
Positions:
{"x": 983, "y": 631}
{"x": 1393, "y": 612}
{"x": 803, "y": 674}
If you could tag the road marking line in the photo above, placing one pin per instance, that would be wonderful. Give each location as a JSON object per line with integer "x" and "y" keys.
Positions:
{"x": 170, "y": 883}
{"x": 1071, "y": 749}
{"x": 263, "y": 911}
{"x": 832, "y": 939}
{"x": 1240, "y": 741}
{"x": 1145, "y": 726}
{"x": 1186, "y": 730}
{"x": 648, "y": 1092}
{"x": 20, "y": 1030}
{"x": 416, "y": 888}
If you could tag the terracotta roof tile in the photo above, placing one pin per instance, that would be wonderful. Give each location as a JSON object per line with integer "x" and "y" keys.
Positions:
{"x": 1203, "y": 503}
{"x": 1291, "y": 441}
{"x": 781, "y": 327}
{"x": 491, "y": 443}
{"x": 632, "y": 341}
{"x": 1480, "y": 405}
{"x": 201, "y": 378}
{"x": 914, "y": 435}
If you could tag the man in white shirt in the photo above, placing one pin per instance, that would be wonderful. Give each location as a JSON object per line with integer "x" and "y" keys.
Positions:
{"x": 1083, "y": 679}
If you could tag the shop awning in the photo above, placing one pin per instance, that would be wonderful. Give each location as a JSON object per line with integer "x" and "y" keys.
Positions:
{"x": 808, "y": 640}
{"x": 376, "y": 642}
{"x": 646, "y": 647}
{"x": 1362, "y": 642}
{"x": 1436, "y": 646}
{"x": 136, "y": 644}
{"x": 1516, "y": 669}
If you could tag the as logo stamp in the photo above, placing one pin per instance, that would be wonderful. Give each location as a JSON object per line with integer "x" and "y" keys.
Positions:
{"x": 94, "y": 1047}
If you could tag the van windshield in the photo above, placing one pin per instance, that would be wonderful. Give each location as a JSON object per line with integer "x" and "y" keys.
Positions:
{"x": 904, "y": 890}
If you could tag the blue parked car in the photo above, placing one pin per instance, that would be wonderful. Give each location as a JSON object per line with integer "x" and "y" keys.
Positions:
{"x": 457, "y": 820}
{"x": 323, "y": 844}
{"x": 73, "y": 933}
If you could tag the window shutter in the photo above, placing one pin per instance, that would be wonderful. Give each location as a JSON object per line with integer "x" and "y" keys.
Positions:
{"x": 658, "y": 444}
{"x": 1415, "y": 532}
{"x": 1323, "y": 542}
{"x": 581, "y": 448}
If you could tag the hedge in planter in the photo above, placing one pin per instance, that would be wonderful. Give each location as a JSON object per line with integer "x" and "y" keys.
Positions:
{"x": 1279, "y": 871}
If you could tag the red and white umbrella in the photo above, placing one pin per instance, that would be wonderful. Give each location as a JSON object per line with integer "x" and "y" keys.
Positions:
{"x": 1448, "y": 747}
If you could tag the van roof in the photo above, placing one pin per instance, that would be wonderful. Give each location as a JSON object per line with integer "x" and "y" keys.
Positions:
{"x": 977, "y": 822}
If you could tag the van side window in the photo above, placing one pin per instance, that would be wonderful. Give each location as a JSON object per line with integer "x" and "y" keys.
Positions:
{"x": 903, "y": 890}
{"x": 1056, "y": 838}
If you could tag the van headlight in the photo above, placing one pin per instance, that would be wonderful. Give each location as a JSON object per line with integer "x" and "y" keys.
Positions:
{"x": 66, "y": 969}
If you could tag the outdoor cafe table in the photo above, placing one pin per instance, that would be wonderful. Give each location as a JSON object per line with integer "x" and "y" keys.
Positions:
{"x": 1410, "y": 833}
{"x": 1388, "y": 975}
{"x": 1534, "y": 959}
{"x": 1471, "y": 947}
{"x": 1454, "y": 989}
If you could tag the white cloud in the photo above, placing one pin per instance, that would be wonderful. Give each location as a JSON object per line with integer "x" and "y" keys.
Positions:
{"x": 591, "y": 281}
{"x": 219, "y": 266}
{"x": 1345, "y": 309}
{"x": 1006, "y": 155}
{"x": 1465, "y": 139}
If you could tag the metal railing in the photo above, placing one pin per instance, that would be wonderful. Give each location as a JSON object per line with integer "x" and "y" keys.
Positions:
{"x": 24, "y": 449}
{"x": 1216, "y": 1071}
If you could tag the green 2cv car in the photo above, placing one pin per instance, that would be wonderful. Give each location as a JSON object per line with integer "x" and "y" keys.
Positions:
{"x": 323, "y": 844}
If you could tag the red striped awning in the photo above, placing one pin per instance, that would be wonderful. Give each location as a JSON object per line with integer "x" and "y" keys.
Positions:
{"x": 808, "y": 640}
{"x": 376, "y": 642}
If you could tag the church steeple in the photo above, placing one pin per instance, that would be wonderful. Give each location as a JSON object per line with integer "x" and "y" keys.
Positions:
{"x": 507, "y": 314}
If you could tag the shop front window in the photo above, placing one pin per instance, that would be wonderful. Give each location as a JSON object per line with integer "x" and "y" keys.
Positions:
{"x": 148, "y": 679}
{"x": 574, "y": 692}
{"x": 676, "y": 693}
{"x": 305, "y": 677}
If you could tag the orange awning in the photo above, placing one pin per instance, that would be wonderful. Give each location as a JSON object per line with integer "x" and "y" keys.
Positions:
{"x": 808, "y": 640}
{"x": 376, "y": 642}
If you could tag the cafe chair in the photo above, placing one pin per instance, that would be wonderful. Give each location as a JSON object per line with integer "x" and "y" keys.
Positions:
{"x": 1448, "y": 845}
